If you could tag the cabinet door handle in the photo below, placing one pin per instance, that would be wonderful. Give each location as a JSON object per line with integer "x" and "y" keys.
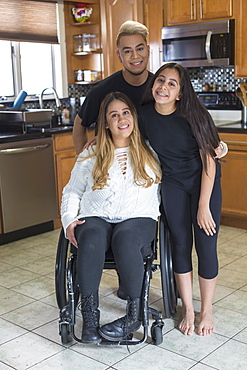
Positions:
{"x": 201, "y": 10}
{"x": 192, "y": 15}
{"x": 24, "y": 150}
{"x": 207, "y": 46}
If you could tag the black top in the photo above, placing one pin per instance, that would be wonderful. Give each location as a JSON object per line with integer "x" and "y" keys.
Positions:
{"x": 172, "y": 139}
{"x": 90, "y": 108}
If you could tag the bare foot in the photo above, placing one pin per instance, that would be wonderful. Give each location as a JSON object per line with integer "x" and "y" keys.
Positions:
{"x": 186, "y": 325}
{"x": 206, "y": 324}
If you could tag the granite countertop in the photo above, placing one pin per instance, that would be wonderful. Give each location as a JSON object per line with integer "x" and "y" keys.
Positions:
{"x": 231, "y": 126}
{"x": 34, "y": 133}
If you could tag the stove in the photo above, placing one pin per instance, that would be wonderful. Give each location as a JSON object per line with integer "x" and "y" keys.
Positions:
{"x": 220, "y": 100}
{"x": 224, "y": 106}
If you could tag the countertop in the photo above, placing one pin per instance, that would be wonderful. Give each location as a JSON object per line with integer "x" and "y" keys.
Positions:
{"x": 231, "y": 126}
{"x": 8, "y": 137}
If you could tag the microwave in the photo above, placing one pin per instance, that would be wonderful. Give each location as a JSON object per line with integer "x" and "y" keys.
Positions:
{"x": 205, "y": 44}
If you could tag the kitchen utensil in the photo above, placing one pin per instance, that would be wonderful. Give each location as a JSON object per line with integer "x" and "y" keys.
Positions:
{"x": 244, "y": 115}
{"x": 242, "y": 87}
{"x": 20, "y": 99}
{"x": 239, "y": 94}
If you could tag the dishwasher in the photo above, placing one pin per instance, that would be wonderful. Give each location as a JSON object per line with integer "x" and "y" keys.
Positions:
{"x": 27, "y": 184}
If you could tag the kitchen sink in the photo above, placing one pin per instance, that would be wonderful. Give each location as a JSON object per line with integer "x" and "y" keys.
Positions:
{"x": 35, "y": 117}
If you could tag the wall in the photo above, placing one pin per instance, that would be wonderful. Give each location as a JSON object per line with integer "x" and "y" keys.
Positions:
{"x": 222, "y": 77}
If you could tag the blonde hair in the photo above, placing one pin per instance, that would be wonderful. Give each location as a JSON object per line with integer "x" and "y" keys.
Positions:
{"x": 140, "y": 154}
{"x": 130, "y": 28}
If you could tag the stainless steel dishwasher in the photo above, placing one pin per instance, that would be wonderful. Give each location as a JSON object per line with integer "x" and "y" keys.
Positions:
{"x": 27, "y": 184}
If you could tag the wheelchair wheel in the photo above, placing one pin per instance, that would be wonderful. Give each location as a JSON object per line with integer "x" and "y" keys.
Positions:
{"x": 60, "y": 272}
{"x": 169, "y": 289}
{"x": 64, "y": 332}
{"x": 156, "y": 334}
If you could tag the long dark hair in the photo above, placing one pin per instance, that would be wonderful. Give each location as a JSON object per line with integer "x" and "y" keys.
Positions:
{"x": 190, "y": 107}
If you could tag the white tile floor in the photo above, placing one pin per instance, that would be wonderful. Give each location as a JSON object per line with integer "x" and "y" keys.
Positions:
{"x": 29, "y": 315}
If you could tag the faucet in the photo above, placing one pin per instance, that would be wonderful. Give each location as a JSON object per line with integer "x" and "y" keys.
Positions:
{"x": 56, "y": 118}
{"x": 58, "y": 101}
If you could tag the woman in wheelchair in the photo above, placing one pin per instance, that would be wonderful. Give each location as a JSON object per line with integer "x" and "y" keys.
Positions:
{"x": 112, "y": 200}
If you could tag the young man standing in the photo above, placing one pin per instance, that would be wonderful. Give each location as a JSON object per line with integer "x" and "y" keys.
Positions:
{"x": 133, "y": 53}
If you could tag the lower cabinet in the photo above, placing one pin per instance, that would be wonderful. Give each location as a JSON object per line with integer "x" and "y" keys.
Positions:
{"x": 64, "y": 157}
{"x": 234, "y": 181}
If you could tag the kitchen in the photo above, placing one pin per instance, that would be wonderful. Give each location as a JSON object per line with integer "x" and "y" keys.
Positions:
{"x": 108, "y": 16}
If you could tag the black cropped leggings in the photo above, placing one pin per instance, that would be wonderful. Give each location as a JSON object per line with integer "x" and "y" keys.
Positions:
{"x": 130, "y": 241}
{"x": 180, "y": 209}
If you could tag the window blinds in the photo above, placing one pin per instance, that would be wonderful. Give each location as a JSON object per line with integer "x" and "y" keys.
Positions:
{"x": 28, "y": 20}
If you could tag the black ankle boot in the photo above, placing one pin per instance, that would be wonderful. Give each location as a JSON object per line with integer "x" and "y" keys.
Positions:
{"x": 121, "y": 328}
{"x": 90, "y": 314}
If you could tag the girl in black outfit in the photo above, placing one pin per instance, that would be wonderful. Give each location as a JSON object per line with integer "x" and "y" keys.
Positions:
{"x": 183, "y": 134}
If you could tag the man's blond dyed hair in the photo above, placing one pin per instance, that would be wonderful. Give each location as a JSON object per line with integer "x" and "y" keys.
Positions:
{"x": 130, "y": 28}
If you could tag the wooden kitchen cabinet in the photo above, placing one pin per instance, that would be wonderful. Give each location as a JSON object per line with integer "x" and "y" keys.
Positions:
{"x": 234, "y": 180}
{"x": 64, "y": 159}
{"x": 153, "y": 19}
{"x": 241, "y": 31}
{"x": 90, "y": 60}
{"x": 191, "y": 11}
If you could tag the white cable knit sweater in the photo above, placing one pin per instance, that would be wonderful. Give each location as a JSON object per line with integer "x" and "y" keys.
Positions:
{"x": 120, "y": 200}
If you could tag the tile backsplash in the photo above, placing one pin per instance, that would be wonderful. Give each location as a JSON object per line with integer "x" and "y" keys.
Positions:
{"x": 219, "y": 79}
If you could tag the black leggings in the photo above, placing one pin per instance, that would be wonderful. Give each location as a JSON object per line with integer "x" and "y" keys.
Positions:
{"x": 130, "y": 241}
{"x": 180, "y": 209}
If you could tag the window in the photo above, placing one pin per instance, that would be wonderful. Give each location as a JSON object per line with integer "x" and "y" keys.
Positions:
{"x": 29, "y": 62}
{"x": 6, "y": 70}
{"x": 27, "y": 66}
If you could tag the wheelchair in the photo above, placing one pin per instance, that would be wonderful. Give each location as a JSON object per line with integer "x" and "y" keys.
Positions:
{"x": 67, "y": 290}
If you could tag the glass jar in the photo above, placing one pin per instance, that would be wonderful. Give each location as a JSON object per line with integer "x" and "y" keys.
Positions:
{"x": 85, "y": 42}
{"x": 79, "y": 75}
{"x": 93, "y": 41}
{"x": 78, "y": 43}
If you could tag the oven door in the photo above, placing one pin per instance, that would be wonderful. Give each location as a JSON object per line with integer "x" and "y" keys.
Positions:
{"x": 27, "y": 184}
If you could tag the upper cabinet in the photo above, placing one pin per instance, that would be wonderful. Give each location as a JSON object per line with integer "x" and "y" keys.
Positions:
{"x": 240, "y": 46}
{"x": 113, "y": 14}
{"x": 191, "y": 11}
{"x": 153, "y": 19}
{"x": 212, "y": 9}
{"x": 83, "y": 43}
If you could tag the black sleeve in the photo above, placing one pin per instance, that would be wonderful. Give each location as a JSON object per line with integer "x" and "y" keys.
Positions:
{"x": 141, "y": 124}
{"x": 90, "y": 108}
